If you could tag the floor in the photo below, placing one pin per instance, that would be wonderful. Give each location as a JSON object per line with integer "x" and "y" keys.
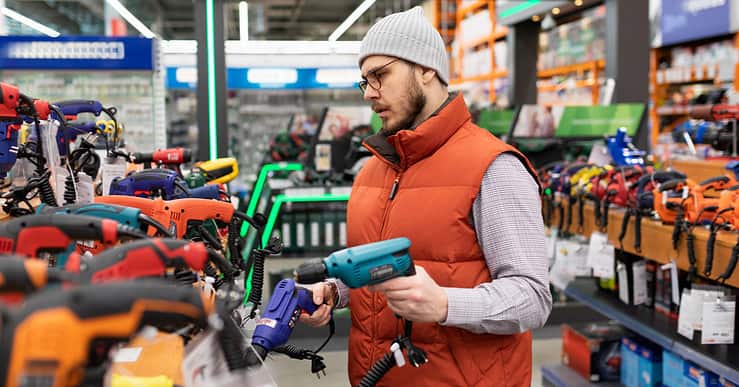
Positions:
{"x": 287, "y": 372}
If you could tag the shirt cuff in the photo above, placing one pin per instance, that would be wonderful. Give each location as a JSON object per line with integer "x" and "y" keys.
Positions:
{"x": 456, "y": 308}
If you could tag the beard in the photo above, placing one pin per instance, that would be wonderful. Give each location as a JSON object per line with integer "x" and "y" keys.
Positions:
{"x": 414, "y": 105}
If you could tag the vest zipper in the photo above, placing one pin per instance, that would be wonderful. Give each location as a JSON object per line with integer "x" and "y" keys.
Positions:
{"x": 394, "y": 189}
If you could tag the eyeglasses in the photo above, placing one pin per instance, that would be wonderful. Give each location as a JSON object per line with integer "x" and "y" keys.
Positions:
{"x": 372, "y": 79}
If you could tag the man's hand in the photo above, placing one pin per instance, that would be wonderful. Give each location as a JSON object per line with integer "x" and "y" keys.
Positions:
{"x": 324, "y": 295}
{"x": 415, "y": 298}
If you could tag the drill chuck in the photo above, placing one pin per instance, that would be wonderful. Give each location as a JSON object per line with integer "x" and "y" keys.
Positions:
{"x": 311, "y": 271}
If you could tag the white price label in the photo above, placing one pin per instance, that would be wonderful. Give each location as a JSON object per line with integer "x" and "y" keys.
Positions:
{"x": 686, "y": 317}
{"x": 623, "y": 283}
{"x": 559, "y": 275}
{"x": 300, "y": 234}
{"x": 85, "y": 189}
{"x": 111, "y": 170}
{"x": 286, "y": 235}
{"x": 315, "y": 239}
{"x": 718, "y": 321}
{"x": 551, "y": 243}
{"x": 640, "y": 282}
{"x": 329, "y": 233}
{"x": 601, "y": 256}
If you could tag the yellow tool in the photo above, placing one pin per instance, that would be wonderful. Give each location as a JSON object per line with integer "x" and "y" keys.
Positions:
{"x": 218, "y": 171}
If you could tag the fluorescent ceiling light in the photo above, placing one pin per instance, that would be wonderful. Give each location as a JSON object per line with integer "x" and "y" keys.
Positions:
{"x": 29, "y": 22}
{"x": 348, "y": 76}
{"x": 269, "y": 47}
{"x": 132, "y": 20}
{"x": 350, "y": 20}
{"x": 272, "y": 76}
{"x": 243, "y": 20}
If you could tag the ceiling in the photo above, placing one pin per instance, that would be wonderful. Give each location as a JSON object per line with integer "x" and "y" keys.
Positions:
{"x": 174, "y": 19}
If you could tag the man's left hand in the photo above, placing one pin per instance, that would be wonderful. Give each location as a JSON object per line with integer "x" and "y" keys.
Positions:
{"x": 415, "y": 298}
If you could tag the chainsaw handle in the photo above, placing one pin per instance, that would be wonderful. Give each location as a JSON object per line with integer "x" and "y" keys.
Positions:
{"x": 77, "y": 106}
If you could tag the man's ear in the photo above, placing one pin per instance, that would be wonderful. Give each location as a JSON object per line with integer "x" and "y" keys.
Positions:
{"x": 427, "y": 74}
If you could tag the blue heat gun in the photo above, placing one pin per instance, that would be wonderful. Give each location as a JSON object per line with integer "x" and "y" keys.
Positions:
{"x": 160, "y": 182}
{"x": 622, "y": 150}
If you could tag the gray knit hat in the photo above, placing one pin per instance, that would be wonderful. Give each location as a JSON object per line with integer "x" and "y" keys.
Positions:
{"x": 410, "y": 36}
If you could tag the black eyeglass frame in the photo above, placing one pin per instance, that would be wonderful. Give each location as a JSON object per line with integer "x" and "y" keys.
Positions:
{"x": 365, "y": 82}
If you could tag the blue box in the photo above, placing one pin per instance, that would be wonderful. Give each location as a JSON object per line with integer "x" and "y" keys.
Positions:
{"x": 650, "y": 365}
{"x": 694, "y": 376}
{"x": 629, "y": 362}
{"x": 672, "y": 369}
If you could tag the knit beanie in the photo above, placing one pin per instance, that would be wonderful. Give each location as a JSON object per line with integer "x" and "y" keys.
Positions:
{"x": 410, "y": 36}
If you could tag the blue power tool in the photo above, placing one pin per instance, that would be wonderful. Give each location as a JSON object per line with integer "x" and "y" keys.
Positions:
{"x": 362, "y": 265}
{"x": 132, "y": 217}
{"x": 279, "y": 317}
{"x": 622, "y": 150}
{"x": 160, "y": 182}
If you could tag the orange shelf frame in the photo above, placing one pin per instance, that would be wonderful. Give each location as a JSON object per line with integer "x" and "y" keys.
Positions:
{"x": 481, "y": 77}
{"x": 496, "y": 34}
{"x": 472, "y": 7}
{"x": 578, "y": 84}
{"x": 578, "y": 67}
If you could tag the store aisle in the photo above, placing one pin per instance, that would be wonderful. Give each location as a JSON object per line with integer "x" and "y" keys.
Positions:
{"x": 288, "y": 372}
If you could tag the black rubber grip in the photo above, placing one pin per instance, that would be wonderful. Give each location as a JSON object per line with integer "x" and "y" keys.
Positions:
{"x": 715, "y": 179}
{"x": 670, "y": 184}
{"x": 624, "y": 227}
{"x": 676, "y": 228}
{"x": 732, "y": 264}
{"x": 710, "y": 244}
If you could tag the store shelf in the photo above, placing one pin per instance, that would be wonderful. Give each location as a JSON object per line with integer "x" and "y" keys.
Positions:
{"x": 658, "y": 328}
{"x": 560, "y": 375}
{"x": 705, "y": 73}
{"x": 485, "y": 40}
{"x": 568, "y": 85}
{"x": 699, "y": 170}
{"x": 656, "y": 242}
{"x": 473, "y": 7}
{"x": 478, "y": 78}
{"x": 564, "y": 70}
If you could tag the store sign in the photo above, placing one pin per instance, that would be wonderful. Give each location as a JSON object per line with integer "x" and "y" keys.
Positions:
{"x": 596, "y": 121}
{"x": 270, "y": 78}
{"x": 686, "y": 20}
{"x": 498, "y": 122}
{"x": 76, "y": 53}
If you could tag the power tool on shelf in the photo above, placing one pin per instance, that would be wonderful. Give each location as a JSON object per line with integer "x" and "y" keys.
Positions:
{"x": 151, "y": 258}
{"x": 621, "y": 190}
{"x": 364, "y": 265}
{"x": 33, "y": 235}
{"x": 644, "y": 204}
{"x": 58, "y": 336}
{"x": 622, "y": 150}
{"x": 16, "y": 108}
{"x": 23, "y": 276}
{"x": 164, "y": 183}
{"x": 171, "y": 158}
{"x": 218, "y": 171}
{"x": 132, "y": 217}
{"x": 725, "y": 219}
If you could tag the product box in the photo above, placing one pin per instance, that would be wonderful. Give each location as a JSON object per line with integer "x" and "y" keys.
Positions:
{"x": 650, "y": 365}
{"x": 694, "y": 376}
{"x": 629, "y": 362}
{"x": 672, "y": 369}
{"x": 592, "y": 350}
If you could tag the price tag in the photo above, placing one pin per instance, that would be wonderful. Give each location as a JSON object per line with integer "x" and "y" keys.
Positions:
{"x": 112, "y": 168}
{"x": 688, "y": 310}
{"x": 559, "y": 276}
{"x": 575, "y": 256}
{"x": 58, "y": 182}
{"x": 718, "y": 321}
{"x": 675, "y": 283}
{"x": 601, "y": 255}
{"x": 85, "y": 189}
{"x": 702, "y": 294}
{"x": 640, "y": 282}
{"x": 623, "y": 283}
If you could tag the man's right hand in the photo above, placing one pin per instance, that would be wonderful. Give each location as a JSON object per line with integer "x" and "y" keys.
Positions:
{"x": 325, "y": 296}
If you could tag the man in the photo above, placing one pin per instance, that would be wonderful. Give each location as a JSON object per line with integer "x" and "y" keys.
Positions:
{"x": 470, "y": 206}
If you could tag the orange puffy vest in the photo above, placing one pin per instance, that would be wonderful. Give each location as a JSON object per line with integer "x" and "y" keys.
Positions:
{"x": 423, "y": 189}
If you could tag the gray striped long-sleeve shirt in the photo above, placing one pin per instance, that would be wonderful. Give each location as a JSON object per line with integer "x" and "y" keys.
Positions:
{"x": 510, "y": 230}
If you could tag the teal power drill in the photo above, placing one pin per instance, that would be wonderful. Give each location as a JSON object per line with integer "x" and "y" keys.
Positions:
{"x": 132, "y": 217}
{"x": 362, "y": 265}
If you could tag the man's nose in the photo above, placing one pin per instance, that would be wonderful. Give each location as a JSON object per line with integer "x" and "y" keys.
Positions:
{"x": 370, "y": 93}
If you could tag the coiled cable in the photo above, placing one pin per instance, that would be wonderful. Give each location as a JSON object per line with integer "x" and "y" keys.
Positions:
{"x": 378, "y": 370}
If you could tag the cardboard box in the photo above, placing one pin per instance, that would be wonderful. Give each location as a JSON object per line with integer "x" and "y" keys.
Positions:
{"x": 672, "y": 369}
{"x": 592, "y": 350}
{"x": 695, "y": 376}
{"x": 629, "y": 362}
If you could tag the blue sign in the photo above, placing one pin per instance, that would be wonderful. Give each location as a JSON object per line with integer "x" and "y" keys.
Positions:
{"x": 686, "y": 20}
{"x": 270, "y": 78}
{"x": 76, "y": 53}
